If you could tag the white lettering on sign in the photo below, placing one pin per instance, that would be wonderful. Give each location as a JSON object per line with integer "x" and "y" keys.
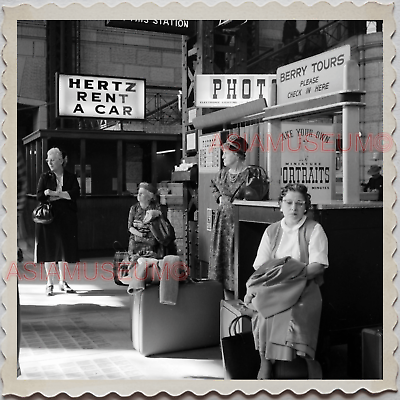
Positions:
{"x": 101, "y": 97}
{"x": 168, "y": 22}
{"x": 231, "y": 90}
{"x": 311, "y": 77}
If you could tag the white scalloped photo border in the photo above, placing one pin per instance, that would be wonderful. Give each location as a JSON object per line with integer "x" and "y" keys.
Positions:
{"x": 174, "y": 10}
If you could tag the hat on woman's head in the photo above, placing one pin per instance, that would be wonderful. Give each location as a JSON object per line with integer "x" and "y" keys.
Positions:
{"x": 236, "y": 144}
{"x": 148, "y": 186}
{"x": 374, "y": 169}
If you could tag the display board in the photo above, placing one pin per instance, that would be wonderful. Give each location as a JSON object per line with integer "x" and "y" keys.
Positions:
{"x": 312, "y": 77}
{"x": 100, "y": 97}
{"x": 308, "y": 157}
{"x": 220, "y": 91}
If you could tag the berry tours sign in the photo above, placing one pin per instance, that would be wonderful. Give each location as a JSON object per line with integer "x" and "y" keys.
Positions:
{"x": 312, "y": 77}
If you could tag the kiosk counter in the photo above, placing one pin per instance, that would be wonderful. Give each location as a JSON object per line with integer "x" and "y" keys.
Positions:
{"x": 353, "y": 289}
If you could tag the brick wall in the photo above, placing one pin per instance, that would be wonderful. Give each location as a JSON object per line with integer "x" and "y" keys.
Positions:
{"x": 130, "y": 53}
{"x": 31, "y": 66}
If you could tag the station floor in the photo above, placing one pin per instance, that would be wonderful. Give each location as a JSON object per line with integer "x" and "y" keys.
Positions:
{"x": 86, "y": 335}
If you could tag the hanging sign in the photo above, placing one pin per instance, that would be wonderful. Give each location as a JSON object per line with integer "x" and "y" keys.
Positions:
{"x": 176, "y": 26}
{"x": 312, "y": 77}
{"x": 220, "y": 91}
{"x": 100, "y": 97}
{"x": 307, "y": 157}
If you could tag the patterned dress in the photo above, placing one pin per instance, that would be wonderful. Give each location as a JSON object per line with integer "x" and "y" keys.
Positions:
{"x": 147, "y": 245}
{"x": 221, "y": 262}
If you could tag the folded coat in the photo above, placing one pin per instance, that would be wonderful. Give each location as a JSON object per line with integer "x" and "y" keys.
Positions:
{"x": 280, "y": 291}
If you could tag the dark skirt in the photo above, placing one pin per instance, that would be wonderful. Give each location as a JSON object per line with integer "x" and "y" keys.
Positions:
{"x": 58, "y": 241}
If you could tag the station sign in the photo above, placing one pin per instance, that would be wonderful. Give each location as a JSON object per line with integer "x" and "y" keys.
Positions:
{"x": 308, "y": 157}
{"x": 220, "y": 91}
{"x": 100, "y": 97}
{"x": 175, "y": 26}
{"x": 312, "y": 77}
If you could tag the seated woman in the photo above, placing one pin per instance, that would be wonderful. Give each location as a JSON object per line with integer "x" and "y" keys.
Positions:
{"x": 151, "y": 240}
{"x": 290, "y": 261}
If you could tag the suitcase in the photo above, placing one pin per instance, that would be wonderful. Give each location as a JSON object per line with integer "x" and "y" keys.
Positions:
{"x": 372, "y": 353}
{"x": 192, "y": 323}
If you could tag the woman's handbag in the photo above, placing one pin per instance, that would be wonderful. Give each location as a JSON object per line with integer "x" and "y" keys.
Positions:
{"x": 241, "y": 359}
{"x": 162, "y": 230}
{"x": 257, "y": 185}
{"x": 43, "y": 214}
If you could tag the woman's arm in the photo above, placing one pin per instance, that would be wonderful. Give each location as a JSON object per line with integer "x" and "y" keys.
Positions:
{"x": 72, "y": 191}
{"x": 131, "y": 217}
{"x": 314, "y": 269}
{"x": 263, "y": 252}
{"x": 41, "y": 196}
{"x": 318, "y": 253}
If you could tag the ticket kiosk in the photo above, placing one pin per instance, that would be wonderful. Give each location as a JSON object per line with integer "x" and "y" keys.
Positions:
{"x": 308, "y": 94}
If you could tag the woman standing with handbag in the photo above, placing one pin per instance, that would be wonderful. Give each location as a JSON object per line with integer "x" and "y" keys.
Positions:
{"x": 235, "y": 181}
{"x": 57, "y": 242}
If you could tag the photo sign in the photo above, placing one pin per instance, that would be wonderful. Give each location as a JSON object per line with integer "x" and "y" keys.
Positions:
{"x": 308, "y": 155}
{"x": 312, "y": 77}
{"x": 221, "y": 91}
{"x": 100, "y": 97}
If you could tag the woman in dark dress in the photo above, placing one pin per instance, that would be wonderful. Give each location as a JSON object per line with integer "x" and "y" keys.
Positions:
{"x": 230, "y": 184}
{"x": 57, "y": 242}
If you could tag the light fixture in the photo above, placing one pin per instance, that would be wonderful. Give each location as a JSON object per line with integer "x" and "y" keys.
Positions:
{"x": 166, "y": 151}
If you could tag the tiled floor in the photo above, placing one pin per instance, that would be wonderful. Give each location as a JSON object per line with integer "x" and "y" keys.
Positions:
{"x": 86, "y": 335}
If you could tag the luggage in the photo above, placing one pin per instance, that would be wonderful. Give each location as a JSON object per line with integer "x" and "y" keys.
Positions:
{"x": 120, "y": 267}
{"x": 230, "y": 309}
{"x": 299, "y": 368}
{"x": 120, "y": 264}
{"x": 372, "y": 353}
{"x": 240, "y": 358}
{"x": 192, "y": 323}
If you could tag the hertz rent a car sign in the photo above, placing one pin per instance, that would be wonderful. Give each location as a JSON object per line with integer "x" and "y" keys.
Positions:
{"x": 101, "y": 97}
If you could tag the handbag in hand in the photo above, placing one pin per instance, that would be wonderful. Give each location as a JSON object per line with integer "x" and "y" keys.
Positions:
{"x": 241, "y": 359}
{"x": 43, "y": 214}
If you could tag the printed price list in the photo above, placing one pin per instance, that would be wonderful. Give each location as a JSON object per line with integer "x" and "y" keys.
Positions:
{"x": 209, "y": 154}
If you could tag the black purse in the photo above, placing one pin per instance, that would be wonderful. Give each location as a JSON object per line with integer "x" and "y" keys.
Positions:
{"x": 241, "y": 359}
{"x": 43, "y": 214}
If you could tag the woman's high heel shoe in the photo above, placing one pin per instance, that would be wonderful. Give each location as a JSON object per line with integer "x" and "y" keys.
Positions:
{"x": 64, "y": 287}
{"x": 49, "y": 290}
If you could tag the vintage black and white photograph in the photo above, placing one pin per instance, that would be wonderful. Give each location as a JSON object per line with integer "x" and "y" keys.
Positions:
{"x": 199, "y": 203}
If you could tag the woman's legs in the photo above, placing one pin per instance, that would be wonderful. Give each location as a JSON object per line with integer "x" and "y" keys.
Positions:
{"x": 144, "y": 270}
{"x": 265, "y": 371}
{"x": 49, "y": 284}
{"x": 63, "y": 285}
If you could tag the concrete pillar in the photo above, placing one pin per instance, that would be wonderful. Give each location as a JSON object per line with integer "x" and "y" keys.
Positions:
{"x": 351, "y": 128}
{"x": 273, "y": 158}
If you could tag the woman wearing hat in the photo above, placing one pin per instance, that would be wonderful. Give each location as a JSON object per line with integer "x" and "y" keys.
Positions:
{"x": 142, "y": 241}
{"x": 231, "y": 183}
{"x": 375, "y": 183}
